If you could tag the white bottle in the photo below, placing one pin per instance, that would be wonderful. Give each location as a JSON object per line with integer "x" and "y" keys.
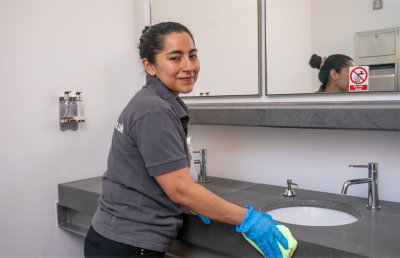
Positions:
{"x": 78, "y": 109}
{"x": 193, "y": 171}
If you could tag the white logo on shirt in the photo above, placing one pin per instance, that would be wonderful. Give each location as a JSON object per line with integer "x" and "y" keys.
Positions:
{"x": 119, "y": 127}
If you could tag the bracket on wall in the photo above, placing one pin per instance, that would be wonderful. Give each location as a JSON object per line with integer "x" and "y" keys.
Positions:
{"x": 377, "y": 4}
{"x": 72, "y": 126}
{"x": 74, "y": 221}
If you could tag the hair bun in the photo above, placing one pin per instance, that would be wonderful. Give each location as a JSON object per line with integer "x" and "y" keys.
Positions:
{"x": 315, "y": 61}
{"x": 146, "y": 28}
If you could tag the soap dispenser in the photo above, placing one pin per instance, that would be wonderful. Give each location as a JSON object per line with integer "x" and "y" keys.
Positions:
{"x": 78, "y": 109}
{"x": 193, "y": 171}
{"x": 66, "y": 108}
{"x": 290, "y": 192}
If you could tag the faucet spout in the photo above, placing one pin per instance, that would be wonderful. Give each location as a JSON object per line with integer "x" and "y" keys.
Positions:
{"x": 354, "y": 182}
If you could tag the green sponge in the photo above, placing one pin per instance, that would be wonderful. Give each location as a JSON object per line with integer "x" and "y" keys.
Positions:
{"x": 292, "y": 243}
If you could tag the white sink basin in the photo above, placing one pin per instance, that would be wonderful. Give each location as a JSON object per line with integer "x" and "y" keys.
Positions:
{"x": 312, "y": 216}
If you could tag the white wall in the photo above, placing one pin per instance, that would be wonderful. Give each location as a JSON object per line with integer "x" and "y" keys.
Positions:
{"x": 335, "y": 23}
{"x": 47, "y": 47}
{"x": 289, "y": 46}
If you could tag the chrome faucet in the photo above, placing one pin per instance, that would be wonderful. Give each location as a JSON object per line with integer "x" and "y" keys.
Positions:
{"x": 372, "y": 181}
{"x": 203, "y": 178}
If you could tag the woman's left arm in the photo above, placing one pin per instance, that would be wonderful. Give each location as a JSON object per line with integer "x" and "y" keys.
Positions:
{"x": 259, "y": 228}
{"x": 180, "y": 188}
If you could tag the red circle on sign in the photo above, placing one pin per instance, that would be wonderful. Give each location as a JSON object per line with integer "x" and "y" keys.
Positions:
{"x": 362, "y": 80}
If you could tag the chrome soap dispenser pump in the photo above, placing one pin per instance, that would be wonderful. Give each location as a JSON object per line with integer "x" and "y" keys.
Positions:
{"x": 289, "y": 191}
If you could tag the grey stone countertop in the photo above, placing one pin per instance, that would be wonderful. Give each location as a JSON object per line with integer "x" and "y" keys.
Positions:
{"x": 375, "y": 234}
{"x": 361, "y": 115}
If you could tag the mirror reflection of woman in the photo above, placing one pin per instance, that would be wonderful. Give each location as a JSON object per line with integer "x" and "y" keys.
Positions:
{"x": 334, "y": 72}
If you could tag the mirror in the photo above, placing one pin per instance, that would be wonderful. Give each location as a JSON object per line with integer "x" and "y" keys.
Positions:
{"x": 364, "y": 30}
{"x": 227, "y": 35}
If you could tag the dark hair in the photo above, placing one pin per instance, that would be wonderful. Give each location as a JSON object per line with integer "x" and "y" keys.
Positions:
{"x": 337, "y": 62}
{"x": 153, "y": 38}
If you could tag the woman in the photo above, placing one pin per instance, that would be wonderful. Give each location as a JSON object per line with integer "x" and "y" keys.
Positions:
{"x": 334, "y": 72}
{"x": 147, "y": 183}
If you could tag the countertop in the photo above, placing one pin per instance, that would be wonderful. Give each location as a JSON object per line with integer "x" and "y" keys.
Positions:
{"x": 356, "y": 115}
{"x": 376, "y": 234}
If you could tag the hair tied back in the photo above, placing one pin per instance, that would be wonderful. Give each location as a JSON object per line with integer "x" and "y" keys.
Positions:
{"x": 152, "y": 40}
{"x": 322, "y": 62}
{"x": 146, "y": 28}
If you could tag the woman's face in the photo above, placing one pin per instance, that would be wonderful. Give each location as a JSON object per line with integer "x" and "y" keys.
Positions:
{"x": 342, "y": 78}
{"x": 177, "y": 66}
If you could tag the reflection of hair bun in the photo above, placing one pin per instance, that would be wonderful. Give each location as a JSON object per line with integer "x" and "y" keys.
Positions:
{"x": 315, "y": 61}
{"x": 145, "y": 29}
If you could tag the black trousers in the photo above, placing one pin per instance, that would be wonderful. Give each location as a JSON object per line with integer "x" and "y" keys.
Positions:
{"x": 98, "y": 246}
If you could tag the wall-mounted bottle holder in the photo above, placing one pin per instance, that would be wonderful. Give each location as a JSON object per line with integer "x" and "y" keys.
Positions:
{"x": 70, "y": 112}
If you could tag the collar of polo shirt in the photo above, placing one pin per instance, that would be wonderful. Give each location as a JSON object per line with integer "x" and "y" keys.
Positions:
{"x": 164, "y": 93}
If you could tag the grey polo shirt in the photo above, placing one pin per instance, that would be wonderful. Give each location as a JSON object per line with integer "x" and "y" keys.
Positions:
{"x": 148, "y": 140}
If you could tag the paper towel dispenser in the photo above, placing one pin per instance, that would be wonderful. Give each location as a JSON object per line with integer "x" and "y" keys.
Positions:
{"x": 378, "y": 49}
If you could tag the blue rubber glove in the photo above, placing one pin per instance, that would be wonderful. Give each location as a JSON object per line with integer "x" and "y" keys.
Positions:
{"x": 204, "y": 219}
{"x": 262, "y": 230}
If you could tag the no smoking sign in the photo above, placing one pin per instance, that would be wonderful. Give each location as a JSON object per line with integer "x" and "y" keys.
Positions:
{"x": 358, "y": 80}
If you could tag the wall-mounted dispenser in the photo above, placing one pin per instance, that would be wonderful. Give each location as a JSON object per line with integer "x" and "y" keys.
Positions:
{"x": 379, "y": 50}
{"x": 71, "y": 111}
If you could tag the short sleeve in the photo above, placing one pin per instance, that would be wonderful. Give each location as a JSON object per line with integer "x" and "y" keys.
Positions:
{"x": 160, "y": 139}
